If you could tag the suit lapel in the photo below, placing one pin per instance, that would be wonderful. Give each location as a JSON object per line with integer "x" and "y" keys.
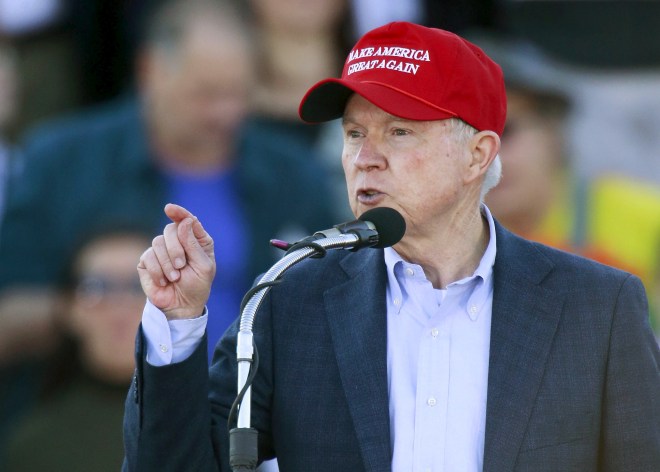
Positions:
{"x": 358, "y": 326}
{"x": 525, "y": 318}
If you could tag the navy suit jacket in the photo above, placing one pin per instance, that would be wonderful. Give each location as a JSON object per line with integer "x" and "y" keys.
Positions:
{"x": 573, "y": 385}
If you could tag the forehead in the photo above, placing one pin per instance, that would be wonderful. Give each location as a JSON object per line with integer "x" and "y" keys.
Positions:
{"x": 359, "y": 111}
{"x": 358, "y": 107}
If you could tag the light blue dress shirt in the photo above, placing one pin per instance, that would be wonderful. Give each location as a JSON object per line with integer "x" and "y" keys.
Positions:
{"x": 437, "y": 361}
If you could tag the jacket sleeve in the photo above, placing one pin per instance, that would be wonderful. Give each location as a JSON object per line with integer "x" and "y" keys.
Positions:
{"x": 631, "y": 410}
{"x": 167, "y": 421}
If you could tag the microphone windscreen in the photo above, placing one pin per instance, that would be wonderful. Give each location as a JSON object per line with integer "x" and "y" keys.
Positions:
{"x": 389, "y": 224}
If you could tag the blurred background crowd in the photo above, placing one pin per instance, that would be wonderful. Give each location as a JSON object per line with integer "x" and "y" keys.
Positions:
{"x": 110, "y": 109}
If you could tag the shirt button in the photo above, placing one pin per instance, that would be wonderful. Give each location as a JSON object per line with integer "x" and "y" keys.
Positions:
{"x": 163, "y": 348}
{"x": 431, "y": 401}
{"x": 434, "y": 332}
{"x": 474, "y": 309}
{"x": 397, "y": 301}
{"x": 410, "y": 272}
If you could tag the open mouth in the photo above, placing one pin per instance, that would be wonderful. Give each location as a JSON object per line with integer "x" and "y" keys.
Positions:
{"x": 369, "y": 196}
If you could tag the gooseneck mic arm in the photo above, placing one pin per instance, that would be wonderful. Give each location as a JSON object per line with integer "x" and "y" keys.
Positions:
{"x": 380, "y": 227}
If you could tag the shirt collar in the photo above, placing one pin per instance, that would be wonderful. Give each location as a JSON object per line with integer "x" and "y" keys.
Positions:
{"x": 485, "y": 267}
{"x": 484, "y": 270}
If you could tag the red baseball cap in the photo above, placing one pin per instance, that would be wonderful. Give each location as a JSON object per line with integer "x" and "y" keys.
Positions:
{"x": 416, "y": 73}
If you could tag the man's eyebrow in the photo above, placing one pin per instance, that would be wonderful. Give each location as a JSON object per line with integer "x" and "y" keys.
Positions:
{"x": 389, "y": 119}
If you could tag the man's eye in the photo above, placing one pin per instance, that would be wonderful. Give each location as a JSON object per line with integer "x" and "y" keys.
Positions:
{"x": 400, "y": 132}
{"x": 353, "y": 134}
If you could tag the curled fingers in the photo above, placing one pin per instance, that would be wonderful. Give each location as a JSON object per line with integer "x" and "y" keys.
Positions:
{"x": 170, "y": 253}
{"x": 149, "y": 267}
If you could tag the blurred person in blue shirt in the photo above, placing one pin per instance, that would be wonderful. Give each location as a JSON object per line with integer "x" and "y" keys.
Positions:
{"x": 185, "y": 136}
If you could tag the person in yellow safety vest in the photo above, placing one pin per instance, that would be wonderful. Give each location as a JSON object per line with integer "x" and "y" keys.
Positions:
{"x": 610, "y": 218}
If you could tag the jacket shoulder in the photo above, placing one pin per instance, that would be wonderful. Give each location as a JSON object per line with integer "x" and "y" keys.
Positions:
{"x": 542, "y": 263}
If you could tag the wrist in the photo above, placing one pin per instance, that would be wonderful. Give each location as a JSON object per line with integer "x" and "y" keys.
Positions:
{"x": 184, "y": 313}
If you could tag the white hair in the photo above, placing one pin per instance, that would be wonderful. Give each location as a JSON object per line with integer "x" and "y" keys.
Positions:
{"x": 463, "y": 133}
{"x": 492, "y": 177}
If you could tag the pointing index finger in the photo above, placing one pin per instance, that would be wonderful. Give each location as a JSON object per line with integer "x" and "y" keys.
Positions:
{"x": 177, "y": 213}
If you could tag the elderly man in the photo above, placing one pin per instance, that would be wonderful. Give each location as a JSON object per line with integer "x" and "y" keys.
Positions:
{"x": 460, "y": 348}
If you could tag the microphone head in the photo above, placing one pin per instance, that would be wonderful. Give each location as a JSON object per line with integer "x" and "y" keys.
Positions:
{"x": 389, "y": 225}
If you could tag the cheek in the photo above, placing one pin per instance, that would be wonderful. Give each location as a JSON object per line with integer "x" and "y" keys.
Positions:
{"x": 350, "y": 152}
{"x": 348, "y": 165}
{"x": 443, "y": 184}
{"x": 429, "y": 173}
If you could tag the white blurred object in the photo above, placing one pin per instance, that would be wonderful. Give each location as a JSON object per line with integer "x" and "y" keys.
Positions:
{"x": 268, "y": 466}
{"x": 616, "y": 123}
{"x": 18, "y": 17}
{"x": 370, "y": 14}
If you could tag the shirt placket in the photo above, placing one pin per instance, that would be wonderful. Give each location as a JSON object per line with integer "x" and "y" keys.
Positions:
{"x": 432, "y": 394}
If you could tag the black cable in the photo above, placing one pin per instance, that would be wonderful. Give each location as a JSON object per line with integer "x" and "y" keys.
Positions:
{"x": 233, "y": 412}
{"x": 255, "y": 357}
{"x": 320, "y": 250}
{"x": 250, "y": 293}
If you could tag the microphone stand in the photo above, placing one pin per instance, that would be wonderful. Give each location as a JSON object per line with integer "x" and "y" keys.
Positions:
{"x": 243, "y": 451}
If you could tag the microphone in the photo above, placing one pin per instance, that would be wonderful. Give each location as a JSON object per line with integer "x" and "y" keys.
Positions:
{"x": 379, "y": 227}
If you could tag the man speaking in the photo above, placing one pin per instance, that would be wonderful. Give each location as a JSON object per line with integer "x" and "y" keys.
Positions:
{"x": 460, "y": 348}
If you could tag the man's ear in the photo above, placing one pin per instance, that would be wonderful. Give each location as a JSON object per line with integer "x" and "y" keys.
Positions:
{"x": 483, "y": 147}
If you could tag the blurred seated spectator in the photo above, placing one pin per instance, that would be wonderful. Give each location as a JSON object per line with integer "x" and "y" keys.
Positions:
{"x": 612, "y": 51}
{"x": 76, "y": 425}
{"x": 47, "y": 66}
{"x": 185, "y": 138}
{"x": 610, "y": 218}
{"x": 297, "y": 42}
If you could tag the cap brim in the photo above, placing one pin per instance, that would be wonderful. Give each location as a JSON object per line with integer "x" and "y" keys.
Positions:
{"x": 327, "y": 99}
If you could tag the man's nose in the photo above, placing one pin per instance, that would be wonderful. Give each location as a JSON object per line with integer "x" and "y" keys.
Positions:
{"x": 370, "y": 156}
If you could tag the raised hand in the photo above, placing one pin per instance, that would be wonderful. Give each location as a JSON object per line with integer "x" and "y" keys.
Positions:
{"x": 176, "y": 272}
